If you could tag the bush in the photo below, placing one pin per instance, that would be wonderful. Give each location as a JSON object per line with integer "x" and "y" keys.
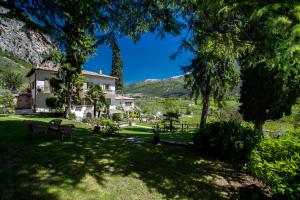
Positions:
{"x": 91, "y": 121}
{"x": 53, "y": 102}
{"x": 109, "y": 126}
{"x": 7, "y": 103}
{"x": 188, "y": 111}
{"x": 117, "y": 117}
{"x": 72, "y": 116}
{"x": 228, "y": 140}
{"x": 277, "y": 162}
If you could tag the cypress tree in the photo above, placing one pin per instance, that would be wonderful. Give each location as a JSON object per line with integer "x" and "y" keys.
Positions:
{"x": 117, "y": 66}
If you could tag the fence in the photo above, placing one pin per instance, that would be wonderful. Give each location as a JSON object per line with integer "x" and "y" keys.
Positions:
{"x": 177, "y": 127}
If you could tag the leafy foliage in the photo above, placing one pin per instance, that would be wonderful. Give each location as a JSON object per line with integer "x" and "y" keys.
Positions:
{"x": 117, "y": 117}
{"x": 214, "y": 30}
{"x": 276, "y": 161}
{"x": 54, "y": 102}
{"x": 96, "y": 95}
{"x": 109, "y": 126}
{"x": 227, "y": 140}
{"x": 266, "y": 93}
{"x": 117, "y": 67}
{"x": 72, "y": 116}
{"x": 11, "y": 80}
{"x": 7, "y": 104}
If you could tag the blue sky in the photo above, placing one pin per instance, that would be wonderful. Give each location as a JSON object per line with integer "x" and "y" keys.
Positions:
{"x": 147, "y": 59}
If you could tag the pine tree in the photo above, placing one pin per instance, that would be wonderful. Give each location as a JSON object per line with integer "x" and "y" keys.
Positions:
{"x": 117, "y": 66}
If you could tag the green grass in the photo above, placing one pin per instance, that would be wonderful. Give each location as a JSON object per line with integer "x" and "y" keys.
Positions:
{"x": 95, "y": 167}
{"x": 147, "y": 134}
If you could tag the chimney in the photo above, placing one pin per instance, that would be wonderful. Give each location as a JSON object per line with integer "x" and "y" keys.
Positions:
{"x": 100, "y": 72}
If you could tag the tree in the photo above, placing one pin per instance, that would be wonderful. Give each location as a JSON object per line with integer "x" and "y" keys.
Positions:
{"x": 266, "y": 94}
{"x": 54, "y": 102}
{"x": 12, "y": 80}
{"x": 171, "y": 112}
{"x": 271, "y": 68}
{"x": 117, "y": 67}
{"x": 96, "y": 95}
{"x": 171, "y": 116}
{"x": 7, "y": 103}
{"x": 213, "y": 32}
{"x": 210, "y": 80}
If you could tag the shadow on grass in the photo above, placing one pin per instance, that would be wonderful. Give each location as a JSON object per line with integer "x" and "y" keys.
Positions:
{"x": 147, "y": 134}
{"x": 30, "y": 168}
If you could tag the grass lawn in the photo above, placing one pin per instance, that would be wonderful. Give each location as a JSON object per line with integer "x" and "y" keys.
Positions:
{"x": 94, "y": 167}
{"x": 147, "y": 134}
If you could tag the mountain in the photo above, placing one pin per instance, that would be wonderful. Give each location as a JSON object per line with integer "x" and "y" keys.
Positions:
{"x": 21, "y": 42}
{"x": 170, "y": 87}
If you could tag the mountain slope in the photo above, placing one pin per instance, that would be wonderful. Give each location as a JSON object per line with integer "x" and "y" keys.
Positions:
{"x": 171, "y": 87}
{"x": 9, "y": 62}
{"x": 22, "y": 41}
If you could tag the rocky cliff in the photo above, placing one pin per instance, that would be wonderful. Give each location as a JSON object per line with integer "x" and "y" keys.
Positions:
{"x": 24, "y": 43}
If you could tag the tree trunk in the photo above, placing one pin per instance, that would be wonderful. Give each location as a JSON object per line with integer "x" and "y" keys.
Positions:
{"x": 205, "y": 106}
{"x": 171, "y": 125}
{"x": 258, "y": 126}
{"x": 68, "y": 107}
{"x": 95, "y": 112}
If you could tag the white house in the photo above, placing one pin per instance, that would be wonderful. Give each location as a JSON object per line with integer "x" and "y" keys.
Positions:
{"x": 40, "y": 88}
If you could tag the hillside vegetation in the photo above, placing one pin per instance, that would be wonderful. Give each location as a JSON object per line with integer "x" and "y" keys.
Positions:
{"x": 9, "y": 62}
{"x": 172, "y": 87}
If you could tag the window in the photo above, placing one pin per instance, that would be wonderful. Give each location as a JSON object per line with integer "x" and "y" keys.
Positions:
{"x": 107, "y": 87}
{"x": 128, "y": 103}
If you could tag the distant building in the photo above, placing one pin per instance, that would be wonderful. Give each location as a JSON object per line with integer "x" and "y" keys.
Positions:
{"x": 40, "y": 88}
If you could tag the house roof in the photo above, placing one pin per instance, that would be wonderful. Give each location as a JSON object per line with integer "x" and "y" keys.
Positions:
{"x": 120, "y": 97}
{"x": 55, "y": 69}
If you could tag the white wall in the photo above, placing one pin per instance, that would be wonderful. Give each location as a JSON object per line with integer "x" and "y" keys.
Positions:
{"x": 123, "y": 103}
{"x": 41, "y": 96}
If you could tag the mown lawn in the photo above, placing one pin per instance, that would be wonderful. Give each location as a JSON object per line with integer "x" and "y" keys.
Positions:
{"x": 147, "y": 134}
{"x": 95, "y": 167}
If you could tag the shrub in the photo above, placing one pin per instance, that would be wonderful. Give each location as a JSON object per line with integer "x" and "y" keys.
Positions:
{"x": 109, "y": 126}
{"x": 72, "y": 116}
{"x": 276, "y": 161}
{"x": 53, "y": 102}
{"x": 91, "y": 121}
{"x": 7, "y": 103}
{"x": 228, "y": 140}
{"x": 188, "y": 111}
{"x": 117, "y": 117}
